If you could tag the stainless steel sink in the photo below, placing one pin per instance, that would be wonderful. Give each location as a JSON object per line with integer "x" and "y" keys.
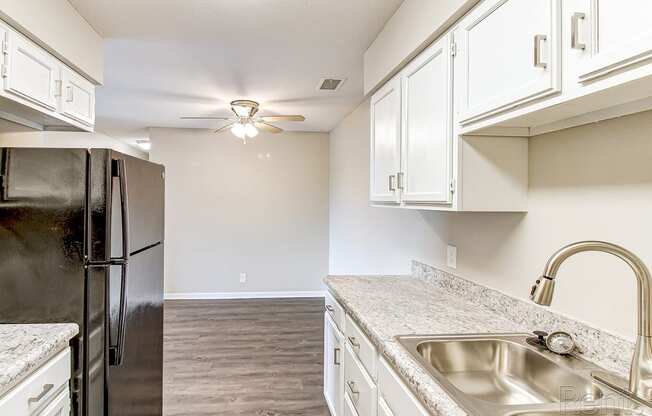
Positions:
{"x": 502, "y": 374}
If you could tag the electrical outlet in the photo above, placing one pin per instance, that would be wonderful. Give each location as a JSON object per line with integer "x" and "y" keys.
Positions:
{"x": 243, "y": 277}
{"x": 451, "y": 257}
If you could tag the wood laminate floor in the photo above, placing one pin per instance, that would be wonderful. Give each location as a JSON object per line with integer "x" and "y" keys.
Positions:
{"x": 260, "y": 357}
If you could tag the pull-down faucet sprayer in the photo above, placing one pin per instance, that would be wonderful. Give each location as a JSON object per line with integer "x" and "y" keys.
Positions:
{"x": 640, "y": 380}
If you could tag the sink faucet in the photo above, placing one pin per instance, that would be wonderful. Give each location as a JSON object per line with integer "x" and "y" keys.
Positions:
{"x": 640, "y": 380}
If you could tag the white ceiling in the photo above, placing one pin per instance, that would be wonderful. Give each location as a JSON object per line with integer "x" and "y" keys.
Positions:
{"x": 169, "y": 58}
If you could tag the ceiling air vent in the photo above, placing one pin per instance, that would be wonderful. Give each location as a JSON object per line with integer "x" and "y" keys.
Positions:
{"x": 330, "y": 84}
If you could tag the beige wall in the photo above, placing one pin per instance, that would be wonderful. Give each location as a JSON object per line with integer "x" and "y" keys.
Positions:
{"x": 260, "y": 208}
{"x": 14, "y": 135}
{"x": 590, "y": 182}
{"x": 414, "y": 25}
{"x": 56, "y": 26}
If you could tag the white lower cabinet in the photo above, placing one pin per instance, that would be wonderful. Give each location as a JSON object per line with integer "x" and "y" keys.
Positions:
{"x": 364, "y": 384}
{"x": 60, "y": 406}
{"x": 44, "y": 393}
{"x": 363, "y": 349}
{"x": 383, "y": 407}
{"x": 358, "y": 385}
{"x": 349, "y": 408}
{"x": 333, "y": 366}
{"x": 393, "y": 395}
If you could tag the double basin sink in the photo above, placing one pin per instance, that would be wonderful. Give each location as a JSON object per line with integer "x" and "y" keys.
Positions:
{"x": 504, "y": 375}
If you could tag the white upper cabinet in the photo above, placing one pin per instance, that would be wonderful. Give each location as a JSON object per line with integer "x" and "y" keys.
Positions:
{"x": 30, "y": 72}
{"x": 385, "y": 142}
{"x": 426, "y": 163}
{"x": 621, "y": 36}
{"x": 78, "y": 97}
{"x": 577, "y": 41}
{"x": 509, "y": 55}
{"x": 40, "y": 91}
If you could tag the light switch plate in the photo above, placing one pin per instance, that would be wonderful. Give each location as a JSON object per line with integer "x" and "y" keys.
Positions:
{"x": 243, "y": 277}
{"x": 451, "y": 257}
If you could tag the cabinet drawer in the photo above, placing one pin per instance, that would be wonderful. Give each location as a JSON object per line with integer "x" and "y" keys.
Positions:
{"x": 361, "y": 346}
{"x": 336, "y": 311}
{"x": 383, "y": 408}
{"x": 349, "y": 409}
{"x": 37, "y": 390}
{"x": 359, "y": 387}
{"x": 397, "y": 397}
{"x": 60, "y": 406}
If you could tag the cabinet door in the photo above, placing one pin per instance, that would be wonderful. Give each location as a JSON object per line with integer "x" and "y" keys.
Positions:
{"x": 78, "y": 97}
{"x": 508, "y": 55}
{"x": 32, "y": 74}
{"x": 426, "y": 163}
{"x": 394, "y": 395}
{"x": 577, "y": 40}
{"x": 385, "y": 142}
{"x": 333, "y": 372}
{"x": 621, "y": 36}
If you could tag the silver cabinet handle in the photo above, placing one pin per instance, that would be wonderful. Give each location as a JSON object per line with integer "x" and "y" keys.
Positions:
{"x": 354, "y": 393}
{"x": 336, "y": 356}
{"x": 353, "y": 342}
{"x": 44, "y": 392}
{"x": 537, "y": 51}
{"x": 330, "y": 308}
{"x": 575, "y": 31}
{"x": 70, "y": 94}
{"x": 392, "y": 186}
{"x": 399, "y": 180}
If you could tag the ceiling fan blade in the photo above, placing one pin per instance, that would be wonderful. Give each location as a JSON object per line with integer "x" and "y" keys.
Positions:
{"x": 267, "y": 127}
{"x": 271, "y": 119}
{"x": 224, "y": 128}
{"x": 205, "y": 118}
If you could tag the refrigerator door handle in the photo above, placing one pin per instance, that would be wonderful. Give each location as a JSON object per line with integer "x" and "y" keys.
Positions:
{"x": 116, "y": 351}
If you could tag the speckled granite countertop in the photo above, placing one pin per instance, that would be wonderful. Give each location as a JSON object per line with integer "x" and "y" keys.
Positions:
{"x": 23, "y": 348}
{"x": 387, "y": 306}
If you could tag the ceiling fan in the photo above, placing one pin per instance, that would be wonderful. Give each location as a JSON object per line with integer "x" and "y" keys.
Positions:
{"x": 246, "y": 122}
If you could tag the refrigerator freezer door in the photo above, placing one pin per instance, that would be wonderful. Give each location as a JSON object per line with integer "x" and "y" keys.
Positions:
{"x": 43, "y": 243}
{"x": 145, "y": 189}
{"x": 136, "y": 385}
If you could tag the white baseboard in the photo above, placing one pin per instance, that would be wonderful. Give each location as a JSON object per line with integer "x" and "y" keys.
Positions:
{"x": 243, "y": 295}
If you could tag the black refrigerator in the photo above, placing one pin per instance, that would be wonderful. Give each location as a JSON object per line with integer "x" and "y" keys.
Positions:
{"x": 81, "y": 240}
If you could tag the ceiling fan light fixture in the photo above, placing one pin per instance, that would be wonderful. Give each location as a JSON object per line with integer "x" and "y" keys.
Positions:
{"x": 244, "y": 108}
{"x": 239, "y": 130}
{"x": 251, "y": 130}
